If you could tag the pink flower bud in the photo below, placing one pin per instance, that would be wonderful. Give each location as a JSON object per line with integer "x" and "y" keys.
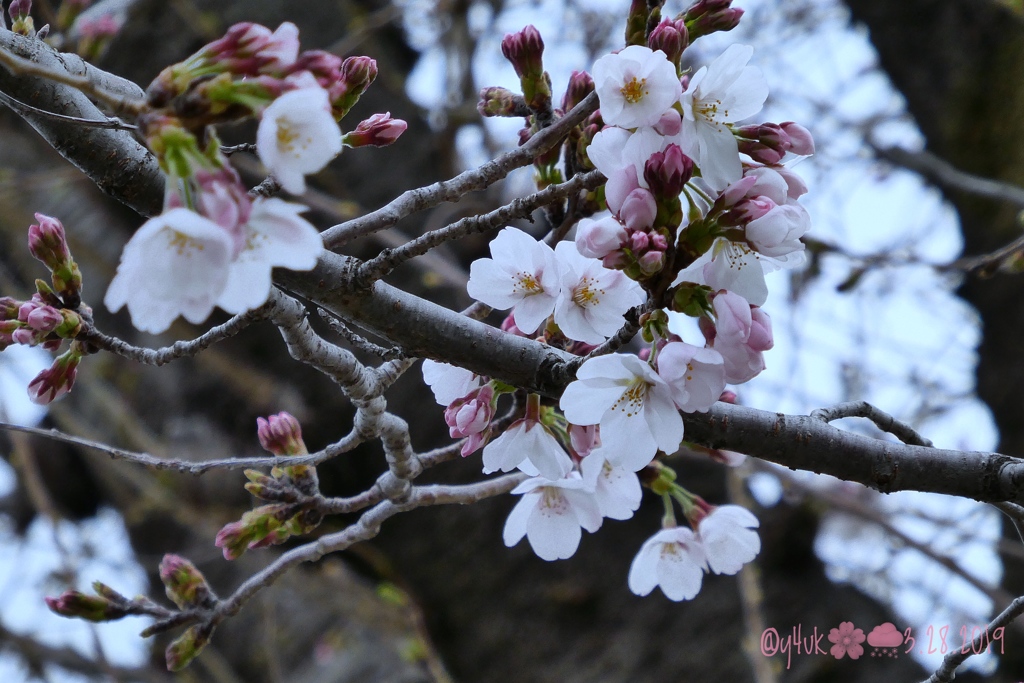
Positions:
{"x": 651, "y": 262}
{"x": 668, "y": 171}
{"x": 670, "y": 123}
{"x": 19, "y": 9}
{"x": 324, "y": 66}
{"x": 639, "y": 210}
{"x": 580, "y": 85}
{"x": 659, "y": 241}
{"x": 48, "y": 243}
{"x": 379, "y": 130}
{"x": 471, "y": 414}
{"x": 225, "y": 201}
{"x": 802, "y": 142}
{"x": 57, "y": 380}
{"x": 638, "y": 242}
{"x": 671, "y": 37}
{"x": 597, "y": 239}
{"x": 525, "y": 51}
{"x": 708, "y": 16}
{"x": 281, "y": 434}
{"x": 89, "y": 607}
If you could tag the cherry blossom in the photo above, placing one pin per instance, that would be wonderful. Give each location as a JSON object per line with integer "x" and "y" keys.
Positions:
{"x": 673, "y": 559}
{"x": 729, "y": 539}
{"x": 732, "y": 266}
{"x": 593, "y": 299}
{"x": 777, "y": 233}
{"x": 274, "y": 236}
{"x": 449, "y": 382}
{"x": 550, "y": 515}
{"x": 523, "y": 275}
{"x": 741, "y": 334}
{"x": 175, "y": 264}
{"x": 298, "y": 136}
{"x": 632, "y": 404}
{"x": 616, "y": 489}
{"x": 725, "y": 91}
{"x": 527, "y": 439}
{"x": 696, "y": 376}
{"x": 597, "y": 239}
{"x": 635, "y": 86}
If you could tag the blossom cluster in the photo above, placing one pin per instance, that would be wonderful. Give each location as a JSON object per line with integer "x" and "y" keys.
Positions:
{"x": 214, "y": 245}
{"x": 700, "y": 208}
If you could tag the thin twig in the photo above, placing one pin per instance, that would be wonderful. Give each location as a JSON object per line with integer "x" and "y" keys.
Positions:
{"x": 359, "y": 342}
{"x": 346, "y": 444}
{"x": 411, "y": 201}
{"x": 947, "y": 670}
{"x": 1015, "y": 513}
{"x": 181, "y": 349}
{"x": 389, "y": 259}
{"x": 882, "y": 420}
{"x": 111, "y": 122}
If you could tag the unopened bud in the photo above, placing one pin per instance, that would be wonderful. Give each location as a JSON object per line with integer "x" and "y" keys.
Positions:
{"x": 185, "y": 585}
{"x": 525, "y": 51}
{"x": 21, "y": 22}
{"x": 652, "y": 262}
{"x": 89, "y": 607}
{"x": 357, "y": 73}
{"x": 801, "y": 141}
{"x": 497, "y": 101}
{"x": 48, "y": 243}
{"x": 580, "y": 85}
{"x": 671, "y": 37}
{"x": 380, "y": 130}
{"x": 58, "y": 379}
{"x": 281, "y": 434}
{"x": 187, "y": 646}
{"x": 668, "y": 171}
{"x": 709, "y": 16}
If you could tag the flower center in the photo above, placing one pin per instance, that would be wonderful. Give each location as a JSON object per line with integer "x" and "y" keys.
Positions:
{"x": 554, "y": 501}
{"x": 633, "y": 91}
{"x": 286, "y": 136}
{"x": 632, "y": 399}
{"x": 709, "y": 110}
{"x": 585, "y": 294}
{"x": 527, "y": 283}
{"x": 182, "y": 243}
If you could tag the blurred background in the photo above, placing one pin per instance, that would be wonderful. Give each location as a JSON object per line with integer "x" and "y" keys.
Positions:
{"x": 886, "y": 310}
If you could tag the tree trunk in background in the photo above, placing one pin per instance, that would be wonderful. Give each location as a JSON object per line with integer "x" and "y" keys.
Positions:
{"x": 494, "y": 614}
{"x": 960, "y": 66}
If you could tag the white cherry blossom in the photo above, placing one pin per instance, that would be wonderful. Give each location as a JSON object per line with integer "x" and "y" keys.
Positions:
{"x": 527, "y": 439}
{"x": 729, "y": 539}
{"x": 635, "y": 86}
{"x": 632, "y": 404}
{"x": 725, "y": 91}
{"x": 593, "y": 298}
{"x": 673, "y": 559}
{"x": 522, "y": 274}
{"x": 550, "y": 515}
{"x": 695, "y": 375}
{"x": 297, "y": 136}
{"x": 175, "y": 264}
{"x": 732, "y": 266}
{"x": 274, "y": 236}
{"x": 616, "y": 489}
